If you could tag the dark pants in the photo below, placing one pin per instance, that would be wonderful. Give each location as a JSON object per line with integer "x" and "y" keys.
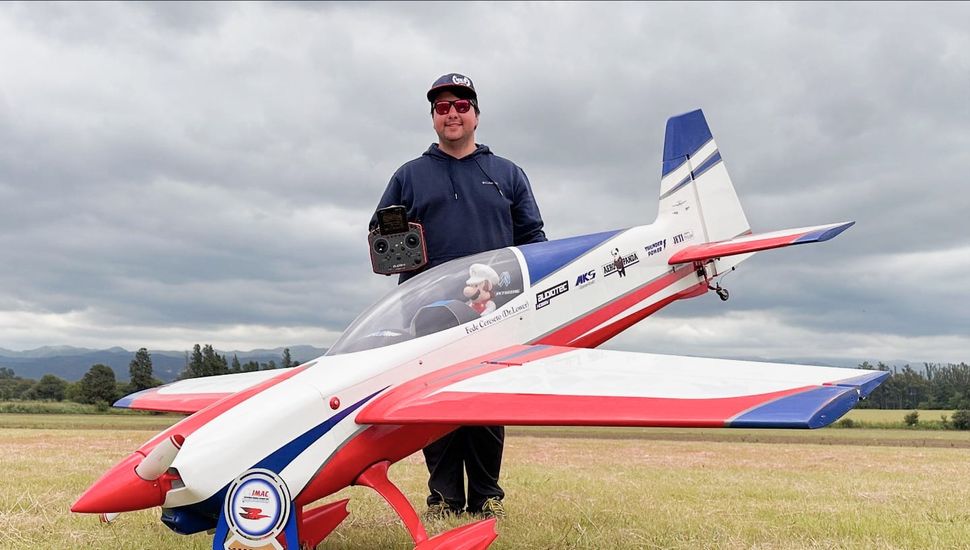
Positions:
{"x": 476, "y": 448}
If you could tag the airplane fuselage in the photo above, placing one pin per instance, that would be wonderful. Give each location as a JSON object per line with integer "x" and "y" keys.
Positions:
{"x": 576, "y": 292}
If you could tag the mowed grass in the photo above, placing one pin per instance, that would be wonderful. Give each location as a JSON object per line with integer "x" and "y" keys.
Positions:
{"x": 567, "y": 488}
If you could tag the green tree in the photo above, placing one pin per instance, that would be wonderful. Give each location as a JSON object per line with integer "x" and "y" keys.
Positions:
{"x": 250, "y": 366}
{"x": 49, "y": 387}
{"x": 15, "y": 388}
{"x": 287, "y": 361}
{"x": 912, "y": 419}
{"x": 961, "y": 419}
{"x": 140, "y": 370}
{"x": 98, "y": 385}
{"x": 236, "y": 367}
{"x": 7, "y": 373}
{"x": 213, "y": 364}
{"x": 196, "y": 368}
{"x": 73, "y": 391}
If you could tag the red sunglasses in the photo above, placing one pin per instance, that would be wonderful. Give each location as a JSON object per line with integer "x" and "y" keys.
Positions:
{"x": 444, "y": 107}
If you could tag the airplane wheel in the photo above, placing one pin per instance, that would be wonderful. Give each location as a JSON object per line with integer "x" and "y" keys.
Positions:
{"x": 723, "y": 294}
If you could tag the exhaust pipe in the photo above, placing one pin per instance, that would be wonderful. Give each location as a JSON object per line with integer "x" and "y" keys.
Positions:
{"x": 108, "y": 517}
{"x": 160, "y": 458}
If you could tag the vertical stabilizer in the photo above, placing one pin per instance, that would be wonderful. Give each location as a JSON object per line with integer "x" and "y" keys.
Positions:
{"x": 696, "y": 193}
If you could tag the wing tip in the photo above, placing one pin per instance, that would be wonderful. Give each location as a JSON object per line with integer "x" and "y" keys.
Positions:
{"x": 825, "y": 233}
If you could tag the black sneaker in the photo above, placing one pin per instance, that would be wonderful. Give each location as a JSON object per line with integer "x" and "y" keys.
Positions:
{"x": 493, "y": 508}
{"x": 439, "y": 511}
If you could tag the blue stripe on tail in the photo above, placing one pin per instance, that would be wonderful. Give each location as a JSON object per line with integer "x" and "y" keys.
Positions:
{"x": 685, "y": 134}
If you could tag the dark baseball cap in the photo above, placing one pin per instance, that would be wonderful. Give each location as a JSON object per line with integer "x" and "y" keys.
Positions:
{"x": 458, "y": 84}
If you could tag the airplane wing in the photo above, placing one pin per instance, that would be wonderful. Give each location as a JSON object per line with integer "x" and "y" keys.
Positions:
{"x": 194, "y": 394}
{"x": 755, "y": 242}
{"x": 560, "y": 386}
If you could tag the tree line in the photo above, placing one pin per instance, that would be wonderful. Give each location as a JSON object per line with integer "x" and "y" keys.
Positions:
{"x": 99, "y": 385}
{"x": 937, "y": 386}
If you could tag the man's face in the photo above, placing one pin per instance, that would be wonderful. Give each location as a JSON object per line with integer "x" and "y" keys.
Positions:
{"x": 454, "y": 126}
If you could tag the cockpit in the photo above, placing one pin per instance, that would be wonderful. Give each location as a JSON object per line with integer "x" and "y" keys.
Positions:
{"x": 443, "y": 297}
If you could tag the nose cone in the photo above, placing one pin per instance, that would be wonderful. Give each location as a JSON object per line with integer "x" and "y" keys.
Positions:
{"x": 121, "y": 490}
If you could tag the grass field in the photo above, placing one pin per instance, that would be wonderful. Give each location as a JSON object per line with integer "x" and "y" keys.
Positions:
{"x": 567, "y": 488}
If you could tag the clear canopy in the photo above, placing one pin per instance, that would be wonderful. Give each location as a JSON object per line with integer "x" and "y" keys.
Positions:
{"x": 446, "y": 296}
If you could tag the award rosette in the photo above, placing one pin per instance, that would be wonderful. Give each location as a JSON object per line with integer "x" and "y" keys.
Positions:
{"x": 257, "y": 509}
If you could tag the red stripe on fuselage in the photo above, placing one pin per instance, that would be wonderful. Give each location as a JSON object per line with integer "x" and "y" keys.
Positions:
{"x": 201, "y": 418}
{"x": 374, "y": 444}
{"x": 573, "y": 333}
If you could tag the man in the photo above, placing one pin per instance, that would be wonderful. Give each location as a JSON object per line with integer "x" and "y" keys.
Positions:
{"x": 468, "y": 200}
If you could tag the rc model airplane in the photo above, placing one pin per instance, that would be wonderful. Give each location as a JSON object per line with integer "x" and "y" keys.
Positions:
{"x": 259, "y": 448}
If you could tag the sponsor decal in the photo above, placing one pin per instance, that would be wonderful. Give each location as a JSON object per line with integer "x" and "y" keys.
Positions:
{"x": 586, "y": 279}
{"x": 656, "y": 248}
{"x": 620, "y": 263}
{"x": 505, "y": 281}
{"x": 257, "y": 509}
{"x": 677, "y": 206}
{"x": 501, "y": 315}
{"x": 461, "y": 80}
{"x": 685, "y": 236}
{"x": 543, "y": 298}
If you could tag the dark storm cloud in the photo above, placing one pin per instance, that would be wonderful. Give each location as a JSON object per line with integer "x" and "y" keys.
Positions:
{"x": 208, "y": 169}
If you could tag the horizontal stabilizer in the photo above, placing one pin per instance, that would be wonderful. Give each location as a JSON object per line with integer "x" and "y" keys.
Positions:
{"x": 194, "y": 394}
{"x": 762, "y": 241}
{"x": 560, "y": 386}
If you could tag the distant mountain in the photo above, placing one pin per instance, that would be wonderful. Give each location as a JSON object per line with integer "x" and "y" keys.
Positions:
{"x": 46, "y": 351}
{"x": 70, "y": 363}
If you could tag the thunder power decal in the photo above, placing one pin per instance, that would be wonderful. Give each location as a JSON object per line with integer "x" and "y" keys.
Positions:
{"x": 543, "y": 298}
{"x": 257, "y": 508}
{"x": 620, "y": 263}
{"x": 656, "y": 248}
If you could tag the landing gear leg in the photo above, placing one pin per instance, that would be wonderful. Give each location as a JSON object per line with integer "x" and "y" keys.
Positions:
{"x": 319, "y": 522}
{"x": 722, "y": 292}
{"x": 474, "y": 536}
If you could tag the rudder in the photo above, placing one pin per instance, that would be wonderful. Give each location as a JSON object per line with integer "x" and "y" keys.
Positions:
{"x": 696, "y": 193}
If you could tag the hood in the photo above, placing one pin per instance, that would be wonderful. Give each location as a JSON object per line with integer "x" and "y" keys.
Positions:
{"x": 436, "y": 153}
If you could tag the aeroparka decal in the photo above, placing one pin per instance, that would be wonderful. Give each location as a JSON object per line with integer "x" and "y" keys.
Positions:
{"x": 501, "y": 315}
{"x": 620, "y": 263}
{"x": 543, "y": 298}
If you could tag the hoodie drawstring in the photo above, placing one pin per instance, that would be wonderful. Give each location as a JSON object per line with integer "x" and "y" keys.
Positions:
{"x": 451, "y": 178}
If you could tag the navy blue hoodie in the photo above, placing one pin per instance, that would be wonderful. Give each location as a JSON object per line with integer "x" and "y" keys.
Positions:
{"x": 469, "y": 205}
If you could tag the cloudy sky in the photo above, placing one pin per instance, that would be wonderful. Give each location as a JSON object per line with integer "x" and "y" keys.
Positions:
{"x": 173, "y": 174}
